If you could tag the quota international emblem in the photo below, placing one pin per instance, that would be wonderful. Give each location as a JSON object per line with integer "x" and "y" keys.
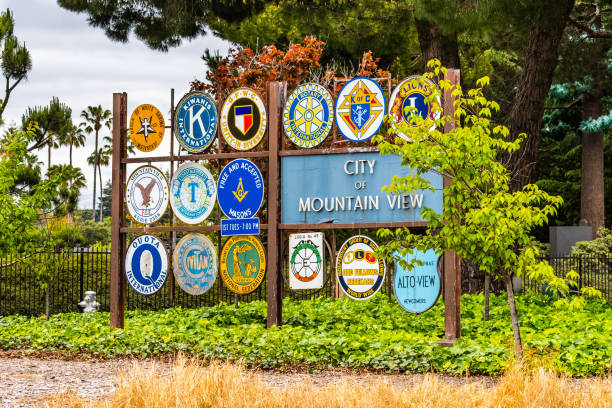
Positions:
{"x": 359, "y": 109}
{"x": 308, "y": 115}
{"x": 146, "y": 264}
{"x": 195, "y": 121}
{"x": 243, "y": 119}
{"x": 146, "y": 127}
{"x": 194, "y": 192}
{"x": 195, "y": 264}
{"x": 360, "y": 273}
{"x": 243, "y": 264}
{"x": 409, "y": 99}
{"x": 146, "y": 194}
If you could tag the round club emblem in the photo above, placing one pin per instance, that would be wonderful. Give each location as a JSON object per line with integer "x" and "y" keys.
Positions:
{"x": 410, "y": 94}
{"x": 240, "y": 189}
{"x": 360, "y": 109}
{"x": 195, "y": 264}
{"x": 306, "y": 260}
{"x": 308, "y": 114}
{"x": 193, "y": 192}
{"x": 147, "y": 127}
{"x": 146, "y": 264}
{"x": 195, "y": 121}
{"x": 243, "y": 119}
{"x": 359, "y": 272}
{"x": 418, "y": 290}
{"x": 146, "y": 194}
{"x": 243, "y": 264}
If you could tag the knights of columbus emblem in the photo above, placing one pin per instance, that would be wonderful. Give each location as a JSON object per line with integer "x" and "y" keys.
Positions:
{"x": 359, "y": 109}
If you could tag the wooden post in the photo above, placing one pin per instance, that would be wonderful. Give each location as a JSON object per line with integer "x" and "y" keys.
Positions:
{"x": 276, "y": 95}
{"x": 452, "y": 262}
{"x": 117, "y": 277}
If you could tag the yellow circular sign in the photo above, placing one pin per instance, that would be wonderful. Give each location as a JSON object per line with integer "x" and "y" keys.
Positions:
{"x": 147, "y": 127}
{"x": 243, "y": 263}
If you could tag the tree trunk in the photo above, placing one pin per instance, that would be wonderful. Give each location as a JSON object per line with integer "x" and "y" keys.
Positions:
{"x": 70, "y": 154}
{"x": 516, "y": 331}
{"x": 533, "y": 86}
{"x": 49, "y": 154}
{"x": 592, "y": 204}
{"x": 47, "y": 306}
{"x": 101, "y": 192}
{"x": 93, "y": 206}
{"x": 435, "y": 44}
{"x": 487, "y": 285}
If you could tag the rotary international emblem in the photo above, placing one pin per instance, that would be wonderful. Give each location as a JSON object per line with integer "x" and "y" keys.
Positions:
{"x": 195, "y": 264}
{"x": 308, "y": 114}
{"x": 360, "y": 273}
{"x": 408, "y": 98}
{"x": 146, "y": 194}
{"x": 146, "y": 127}
{"x": 359, "y": 109}
{"x": 194, "y": 192}
{"x": 195, "y": 121}
{"x": 243, "y": 264}
{"x": 146, "y": 264}
{"x": 243, "y": 119}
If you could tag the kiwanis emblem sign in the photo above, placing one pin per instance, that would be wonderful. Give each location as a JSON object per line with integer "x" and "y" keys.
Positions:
{"x": 195, "y": 124}
{"x": 360, "y": 109}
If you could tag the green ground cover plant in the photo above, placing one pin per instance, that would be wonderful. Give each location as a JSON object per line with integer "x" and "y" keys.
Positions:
{"x": 375, "y": 334}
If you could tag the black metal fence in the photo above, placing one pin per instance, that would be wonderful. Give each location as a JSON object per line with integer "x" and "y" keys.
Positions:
{"x": 85, "y": 269}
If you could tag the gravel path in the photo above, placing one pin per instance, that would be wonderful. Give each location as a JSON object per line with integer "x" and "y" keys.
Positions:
{"x": 25, "y": 380}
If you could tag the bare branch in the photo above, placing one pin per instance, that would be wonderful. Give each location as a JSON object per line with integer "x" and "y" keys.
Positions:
{"x": 589, "y": 31}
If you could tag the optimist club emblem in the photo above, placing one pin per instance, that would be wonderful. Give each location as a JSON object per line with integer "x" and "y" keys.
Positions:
{"x": 147, "y": 127}
{"x": 306, "y": 260}
{"x": 359, "y": 109}
{"x": 243, "y": 119}
{"x": 194, "y": 192}
{"x": 147, "y": 194}
{"x": 195, "y": 121}
{"x": 240, "y": 189}
{"x": 410, "y": 94}
{"x": 146, "y": 264}
{"x": 308, "y": 115}
{"x": 195, "y": 264}
{"x": 360, "y": 274}
{"x": 243, "y": 264}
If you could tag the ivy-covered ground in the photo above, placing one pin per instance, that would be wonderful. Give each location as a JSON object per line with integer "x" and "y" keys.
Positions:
{"x": 376, "y": 334}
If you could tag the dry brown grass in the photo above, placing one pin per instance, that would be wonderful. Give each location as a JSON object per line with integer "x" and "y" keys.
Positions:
{"x": 190, "y": 384}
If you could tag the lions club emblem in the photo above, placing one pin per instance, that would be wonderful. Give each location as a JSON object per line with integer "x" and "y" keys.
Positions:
{"x": 146, "y": 194}
{"x": 194, "y": 193}
{"x": 408, "y": 98}
{"x": 359, "y": 109}
{"x": 195, "y": 121}
{"x": 243, "y": 119}
{"x": 195, "y": 264}
{"x": 146, "y": 127}
{"x": 308, "y": 114}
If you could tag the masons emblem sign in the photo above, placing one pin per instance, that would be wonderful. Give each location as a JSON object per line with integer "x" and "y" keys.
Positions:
{"x": 240, "y": 189}
{"x": 408, "y": 98}
{"x": 195, "y": 264}
{"x": 308, "y": 115}
{"x": 360, "y": 109}
{"x": 243, "y": 263}
{"x": 194, "y": 192}
{"x": 146, "y": 194}
{"x": 243, "y": 119}
{"x": 146, "y": 127}
{"x": 195, "y": 121}
{"x": 146, "y": 264}
{"x": 359, "y": 271}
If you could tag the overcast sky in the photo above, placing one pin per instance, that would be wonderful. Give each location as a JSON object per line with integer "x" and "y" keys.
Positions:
{"x": 78, "y": 64}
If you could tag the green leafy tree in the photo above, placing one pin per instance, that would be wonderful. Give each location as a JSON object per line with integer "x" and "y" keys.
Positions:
{"x": 16, "y": 61}
{"x": 481, "y": 219}
{"x": 94, "y": 119}
{"x": 68, "y": 192}
{"x": 75, "y": 137}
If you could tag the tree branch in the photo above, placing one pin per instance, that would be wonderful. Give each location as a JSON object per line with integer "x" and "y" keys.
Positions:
{"x": 589, "y": 31}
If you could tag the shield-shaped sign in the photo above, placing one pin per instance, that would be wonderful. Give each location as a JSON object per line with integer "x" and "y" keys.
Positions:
{"x": 243, "y": 118}
{"x": 360, "y": 114}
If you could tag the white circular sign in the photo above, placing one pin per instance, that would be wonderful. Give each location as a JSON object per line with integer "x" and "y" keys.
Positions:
{"x": 146, "y": 264}
{"x": 360, "y": 108}
{"x": 194, "y": 192}
{"x": 359, "y": 272}
{"x": 146, "y": 194}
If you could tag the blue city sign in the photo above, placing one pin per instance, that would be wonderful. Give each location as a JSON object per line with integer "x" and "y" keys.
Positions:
{"x": 418, "y": 290}
{"x": 240, "y": 189}
{"x": 239, "y": 226}
{"x": 146, "y": 264}
{"x": 347, "y": 188}
{"x": 195, "y": 122}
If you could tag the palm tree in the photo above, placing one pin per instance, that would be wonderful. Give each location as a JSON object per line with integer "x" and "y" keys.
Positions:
{"x": 103, "y": 160}
{"x": 68, "y": 192}
{"x": 95, "y": 117}
{"x": 74, "y": 138}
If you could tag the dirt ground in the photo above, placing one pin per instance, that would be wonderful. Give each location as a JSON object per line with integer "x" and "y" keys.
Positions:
{"x": 25, "y": 380}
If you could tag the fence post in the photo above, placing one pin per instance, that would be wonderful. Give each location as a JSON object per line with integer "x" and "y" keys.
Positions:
{"x": 579, "y": 274}
{"x": 81, "y": 274}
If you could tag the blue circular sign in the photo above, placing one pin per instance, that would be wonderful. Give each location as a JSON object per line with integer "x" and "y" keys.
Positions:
{"x": 418, "y": 290}
{"x": 193, "y": 193}
{"x": 240, "y": 189}
{"x": 195, "y": 121}
{"x": 195, "y": 264}
{"x": 146, "y": 264}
